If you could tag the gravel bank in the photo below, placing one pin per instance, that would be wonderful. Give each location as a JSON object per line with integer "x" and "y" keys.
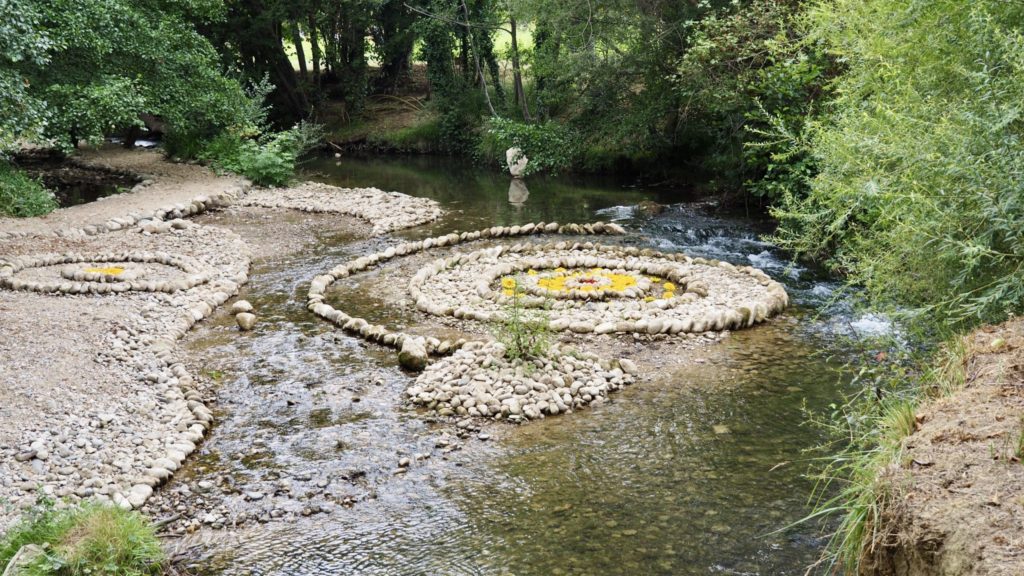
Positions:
{"x": 95, "y": 400}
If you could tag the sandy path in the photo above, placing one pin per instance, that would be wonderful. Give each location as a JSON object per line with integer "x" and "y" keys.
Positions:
{"x": 165, "y": 184}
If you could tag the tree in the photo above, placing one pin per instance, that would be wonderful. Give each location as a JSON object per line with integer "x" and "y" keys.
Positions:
{"x": 81, "y": 69}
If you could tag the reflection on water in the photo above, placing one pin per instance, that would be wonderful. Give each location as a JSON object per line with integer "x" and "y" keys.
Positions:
{"x": 518, "y": 193}
{"x": 696, "y": 472}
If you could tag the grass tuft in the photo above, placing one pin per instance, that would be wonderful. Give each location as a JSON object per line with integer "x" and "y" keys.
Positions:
{"x": 89, "y": 540}
{"x": 859, "y": 482}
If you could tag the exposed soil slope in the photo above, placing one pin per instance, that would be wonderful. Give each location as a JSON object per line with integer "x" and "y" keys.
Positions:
{"x": 960, "y": 504}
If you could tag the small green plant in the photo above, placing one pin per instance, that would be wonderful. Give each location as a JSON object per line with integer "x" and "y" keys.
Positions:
{"x": 89, "y": 540}
{"x": 524, "y": 334}
{"x": 22, "y": 196}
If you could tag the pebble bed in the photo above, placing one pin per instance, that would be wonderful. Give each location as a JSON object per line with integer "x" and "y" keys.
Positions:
{"x": 385, "y": 211}
{"x": 119, "y": 448}
{"x": 478, "y": 380}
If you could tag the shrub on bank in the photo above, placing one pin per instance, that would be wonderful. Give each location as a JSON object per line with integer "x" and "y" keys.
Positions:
{"x": 268, "y": 160}
{"x": 550, "y": 146}
{"x": 920, "y": 156}
{"x": 22, "y": 196}
{"x": 89, "y": 540}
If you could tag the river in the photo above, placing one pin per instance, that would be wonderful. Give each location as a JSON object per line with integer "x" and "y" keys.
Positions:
{"x": 701, "y": 471}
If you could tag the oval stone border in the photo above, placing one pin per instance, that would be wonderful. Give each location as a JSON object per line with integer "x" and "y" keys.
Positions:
{"x": 599, "y": 294}
{"x": 91, "y": 285}
{"x": 380, "y": 334}
{"x": 741, "y": 315}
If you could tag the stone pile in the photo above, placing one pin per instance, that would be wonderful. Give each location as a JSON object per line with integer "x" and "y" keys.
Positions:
{"x": 385, "y": 211}
{"x": 478, "y": 380}
{"x": 244, "y": 316}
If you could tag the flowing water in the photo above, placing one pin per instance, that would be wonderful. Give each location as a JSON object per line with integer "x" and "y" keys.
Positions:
{"x": 698, "y": 472}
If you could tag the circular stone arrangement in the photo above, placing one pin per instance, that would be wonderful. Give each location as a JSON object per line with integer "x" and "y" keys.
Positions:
{"x": 381, "y": 334}
{"x": 104, "y": 273}
{"x": 634, "y": 290}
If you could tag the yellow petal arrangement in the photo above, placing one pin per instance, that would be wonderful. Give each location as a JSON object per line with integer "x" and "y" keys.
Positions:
{"x": 556, "y": 282}
{"x": 508, "y": 286}
{"x": 109, "y": 270}
{"x": 562, "y": 281}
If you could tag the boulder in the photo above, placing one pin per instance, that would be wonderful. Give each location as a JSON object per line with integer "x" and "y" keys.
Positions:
{"x": 516, "y": 161}
{"x": 413, "y": 355}
{"x": 246, "y": 321}
{"x": 241, "y": 306}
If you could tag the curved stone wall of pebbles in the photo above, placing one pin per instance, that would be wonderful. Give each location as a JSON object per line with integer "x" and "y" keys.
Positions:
{"x": 72, "y": 280}
{"x": 385, "y": 211}
{"x": 700, "y": 308}
{"x": 381, "y": 334}
{"x": 716, "y": 295}
{"x": 147, "y": 220}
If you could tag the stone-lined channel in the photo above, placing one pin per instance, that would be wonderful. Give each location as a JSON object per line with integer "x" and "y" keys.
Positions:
{"x": 693, "y": 471}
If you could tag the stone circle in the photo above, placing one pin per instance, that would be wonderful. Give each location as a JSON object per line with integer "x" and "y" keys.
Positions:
{"x": 633, "y": 290}
{"x": 102, "y": 273}
{"x": 381, "y": 334}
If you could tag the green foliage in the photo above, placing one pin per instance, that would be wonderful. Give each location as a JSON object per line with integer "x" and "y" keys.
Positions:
{"x": 269, "y": 160}
{"x": 22, "y": 196}
{"x": 89, "y": 540}
{"x": 549, "y": 146}
{"x": 920, "y": 157}
{"x": 423, "y": 137}
{"x": 524, "y": 334}
{"x": 75, "y": 70}
{"x": 453, "y": 97}
{"x": 745, "y": 87}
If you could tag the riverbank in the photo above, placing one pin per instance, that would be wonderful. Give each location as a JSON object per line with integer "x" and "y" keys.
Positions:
{"x": 953, "y": 497}
{"x": 94, "y": 397}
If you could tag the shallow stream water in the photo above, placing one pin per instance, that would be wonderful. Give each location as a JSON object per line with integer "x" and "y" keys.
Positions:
{"x": 698, "y": 472}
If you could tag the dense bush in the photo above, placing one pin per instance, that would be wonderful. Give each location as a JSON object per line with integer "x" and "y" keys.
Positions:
{"x": 73, "y": 71}
{"x": 21, "y": 195}
{"x": 745, "y": 87}
{"x": 919, "y": 195}
{"x": 91, "y": 540}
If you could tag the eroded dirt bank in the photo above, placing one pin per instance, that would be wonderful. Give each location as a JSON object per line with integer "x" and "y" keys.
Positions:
{"x": 958, "y": 505}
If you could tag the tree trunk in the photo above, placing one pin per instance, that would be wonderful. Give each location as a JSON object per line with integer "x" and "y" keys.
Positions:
{"x": 300, "y": 52}
{"x": 476, "y": 61}
{"x": 314, "y": 40}
{"x": 517, "y": 76}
